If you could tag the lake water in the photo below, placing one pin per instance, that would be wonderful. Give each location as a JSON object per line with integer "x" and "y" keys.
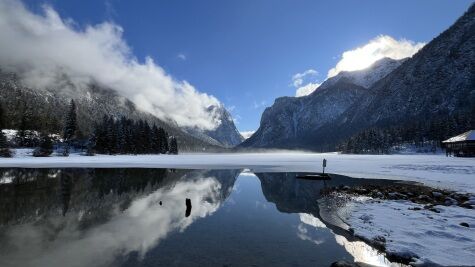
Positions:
{"x": 140, "y": 217}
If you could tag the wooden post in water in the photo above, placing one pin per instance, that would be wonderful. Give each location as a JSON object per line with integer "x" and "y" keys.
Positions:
{"x": 324, "y": 165}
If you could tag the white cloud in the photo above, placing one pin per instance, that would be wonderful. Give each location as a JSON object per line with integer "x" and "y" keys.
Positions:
{"x": 41, "y": 47}
{"x": 259, "y": 104}
{"x": 236, "y": 118}
{"x": 247, "y": 134}
{"x": 298, "y": 78}
{"x": 181, "y": 56}
{"x": 377, "y": 48}
{"x": 306, "y": 89}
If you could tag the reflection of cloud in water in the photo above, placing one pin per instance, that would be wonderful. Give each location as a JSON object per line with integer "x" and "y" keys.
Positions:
{"x": 303, "y": 234}
{"x": 311, "y": 220}
{"x": 302, "y": 231}
{"x": 364, "y": 253}
{"x": 361, "y": 251}
{"x": 138, "y": 228}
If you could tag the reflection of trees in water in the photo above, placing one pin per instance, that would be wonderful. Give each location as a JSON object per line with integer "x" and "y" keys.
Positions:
{"x": 30, "y": 194}
{"x": 122, "y": 181}
{"x": 66, "y": 183}
{"x": 97, "y": 228}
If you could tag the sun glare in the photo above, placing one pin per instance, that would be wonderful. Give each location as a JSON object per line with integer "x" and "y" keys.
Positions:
{"x": 378, "y": 48}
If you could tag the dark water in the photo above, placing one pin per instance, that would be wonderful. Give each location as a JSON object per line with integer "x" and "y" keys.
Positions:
{"x": 140, "y": 217}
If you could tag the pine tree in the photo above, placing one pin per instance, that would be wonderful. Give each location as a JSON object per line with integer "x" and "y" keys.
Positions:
{"x": 70, "y": 126}
{"x": 4, "y": 150}
{"x": 164, "y": 141}
{"x": 111, "y": 136}
{"x": 173, "y": 146}
{"x": 22, "y": 134}
{"x": 122, "y": 136}
{"x": 2, "y": 120}
{"x": 90, "y": 146}
{"x": 46, "y": 146}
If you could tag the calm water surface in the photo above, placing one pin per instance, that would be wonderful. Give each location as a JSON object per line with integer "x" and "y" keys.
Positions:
{"x": 139, "y": 217}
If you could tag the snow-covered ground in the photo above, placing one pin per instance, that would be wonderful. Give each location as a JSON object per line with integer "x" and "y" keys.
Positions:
{"x": 434, "y": 170}
{"x": 434, "y": 237}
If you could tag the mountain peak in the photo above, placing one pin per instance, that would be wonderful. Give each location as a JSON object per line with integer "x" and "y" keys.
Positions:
{"x": 368, "y": 76}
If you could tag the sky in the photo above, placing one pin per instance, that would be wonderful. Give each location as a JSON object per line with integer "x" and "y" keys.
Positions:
{"x": 247, "y": 53}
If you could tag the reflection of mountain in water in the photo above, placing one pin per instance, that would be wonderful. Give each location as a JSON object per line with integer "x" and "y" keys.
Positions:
{"x": 35, "y": 193}
{"x": 292, "y": 195}
{"x": 107, "y": 212}
{"x": 289, "y": 194}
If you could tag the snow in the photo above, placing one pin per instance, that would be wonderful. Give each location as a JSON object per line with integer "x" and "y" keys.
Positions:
{"x": 432, "y": 236}
{"x": 434, "y": 170}
{"x": 467, "y": 136}
{"x": 11, "y": 134}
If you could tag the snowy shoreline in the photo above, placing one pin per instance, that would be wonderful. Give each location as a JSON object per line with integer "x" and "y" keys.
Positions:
{"x": 434, "y": 170}
{"x": 408, "y": 231}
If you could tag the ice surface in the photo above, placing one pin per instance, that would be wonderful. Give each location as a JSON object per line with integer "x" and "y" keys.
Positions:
{"x": 434, "y": 170}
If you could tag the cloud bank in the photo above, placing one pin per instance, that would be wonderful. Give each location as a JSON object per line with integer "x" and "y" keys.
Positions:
{"x": 247, "y": 134}
{"x": 306, "y": 89}
{"x": 359, "y": 58}
{"x": 298, "y": 78}
{"x": 376, "y": 49}
{"x": 42, "y": 47}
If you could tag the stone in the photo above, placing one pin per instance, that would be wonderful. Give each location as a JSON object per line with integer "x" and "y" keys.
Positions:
{"x": 343, "y": 263}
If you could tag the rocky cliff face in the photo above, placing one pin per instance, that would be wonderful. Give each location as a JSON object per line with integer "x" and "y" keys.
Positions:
{"x": 438, "y": 80}
{"x": 291, "y": 121}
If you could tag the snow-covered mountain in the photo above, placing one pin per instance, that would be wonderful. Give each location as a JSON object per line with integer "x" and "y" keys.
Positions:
{"x": 439, "y": 80}
{"x": 46, "y": 109}
{"x": 225, "y": 134}
{"x": 290, "y": 120}
{"x": 366, "y": 77}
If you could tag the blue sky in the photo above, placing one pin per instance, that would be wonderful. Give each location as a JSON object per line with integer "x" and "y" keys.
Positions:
{"x": 246, "y": 52}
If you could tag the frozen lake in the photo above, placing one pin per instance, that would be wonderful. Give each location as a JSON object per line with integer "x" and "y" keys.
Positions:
{"x": 434, "y": 170}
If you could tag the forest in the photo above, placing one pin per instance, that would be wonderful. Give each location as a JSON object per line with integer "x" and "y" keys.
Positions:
{"x": 110, "y": 136}
{"x": 424, "y": 134}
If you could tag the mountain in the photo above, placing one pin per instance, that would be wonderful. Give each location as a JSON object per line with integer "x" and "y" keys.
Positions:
{"x": 291, "y": 121}
{"x": 226, "y": 134}
{"x": 46, "y": 109}
{"x": 368, "y": 76}
{"x": 439, "y": 80}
